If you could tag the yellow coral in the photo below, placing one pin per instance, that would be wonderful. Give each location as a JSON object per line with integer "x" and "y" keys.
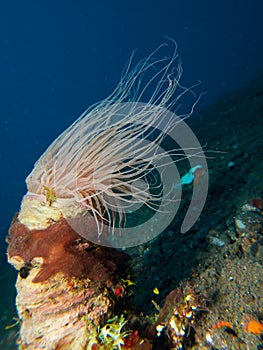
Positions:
{"x": 110, "y": 336}
{"x": 50, "y": 195}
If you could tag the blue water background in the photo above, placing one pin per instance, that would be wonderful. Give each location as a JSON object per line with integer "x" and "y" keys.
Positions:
{"x": 58, "y": 57}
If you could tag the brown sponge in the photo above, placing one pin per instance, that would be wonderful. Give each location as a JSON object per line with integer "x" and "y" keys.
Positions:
{"x": 62, "y": 250}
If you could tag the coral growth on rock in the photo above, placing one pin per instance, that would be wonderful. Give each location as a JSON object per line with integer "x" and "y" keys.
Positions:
{"x": 65, "y": 288}
{"x": 177, "y": 317}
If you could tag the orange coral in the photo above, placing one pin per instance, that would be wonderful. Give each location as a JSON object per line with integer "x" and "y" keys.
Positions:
{"x": 221, "y": 324}
{"x": 253, "y": 326}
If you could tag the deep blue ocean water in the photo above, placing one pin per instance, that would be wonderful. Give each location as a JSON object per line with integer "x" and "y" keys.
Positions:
{"x": 58, "y": 57}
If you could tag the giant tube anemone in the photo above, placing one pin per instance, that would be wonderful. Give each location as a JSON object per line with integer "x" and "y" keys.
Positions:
{"x": 95, "y": 166}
